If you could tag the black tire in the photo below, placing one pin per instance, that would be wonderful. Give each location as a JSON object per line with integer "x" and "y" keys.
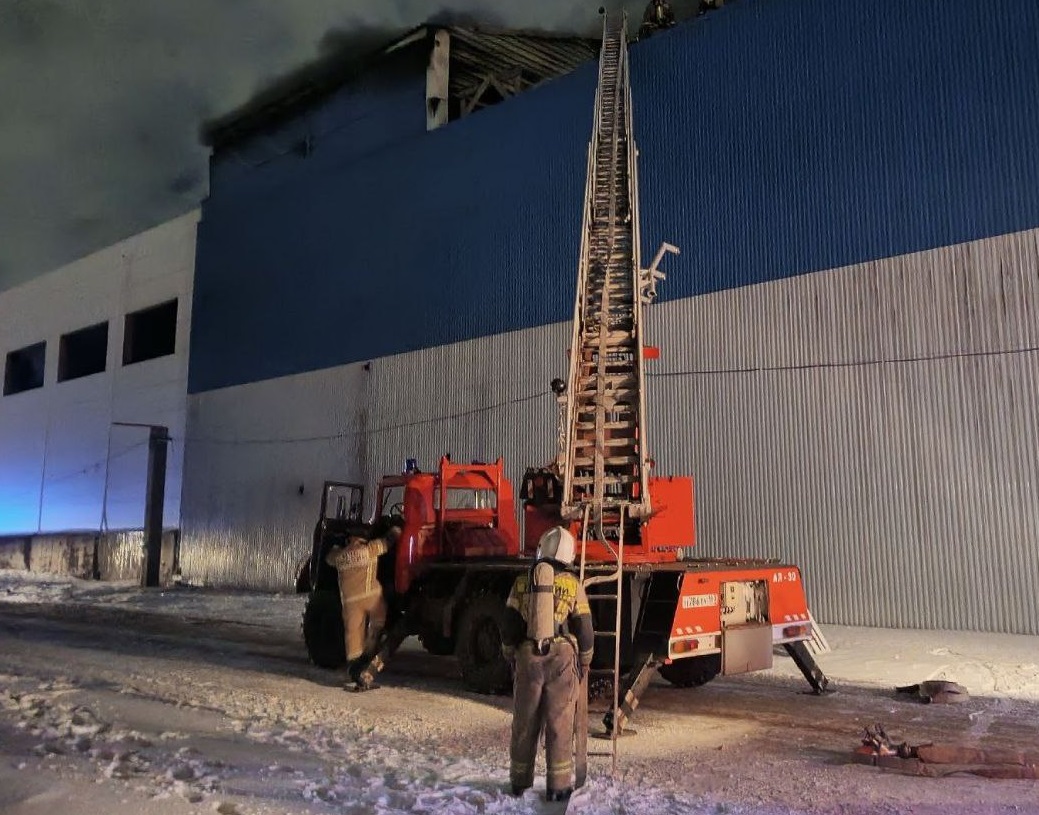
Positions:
{"x": 692, "y": 672}
{"x": 484, "y": 668}
{"x": 323, "y": 629}
{"x": 436, "y": 643}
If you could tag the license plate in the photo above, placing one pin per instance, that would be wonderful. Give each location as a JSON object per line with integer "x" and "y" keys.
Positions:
{"x": 699, "y": 600}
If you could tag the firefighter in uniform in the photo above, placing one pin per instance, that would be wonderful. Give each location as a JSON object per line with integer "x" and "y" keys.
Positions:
{"x": 548, "y": 632}
{"x": 658, "y": 16}
{"x": 363, "y": 599}
{"x": 380, "y": 650}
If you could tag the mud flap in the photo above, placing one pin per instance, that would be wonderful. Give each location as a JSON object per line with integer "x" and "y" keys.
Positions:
{"x": 581, "y": 733}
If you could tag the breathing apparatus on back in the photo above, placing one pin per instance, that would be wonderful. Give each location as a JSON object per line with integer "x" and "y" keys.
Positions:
{"x": 557, "y": 544}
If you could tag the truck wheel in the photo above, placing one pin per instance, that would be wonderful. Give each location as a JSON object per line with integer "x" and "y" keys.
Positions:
{"x": 436, "y": 643}
{"x": 484, "y": 669}
{"x": 692, "y": 671}
{"x": 323, "y": 629}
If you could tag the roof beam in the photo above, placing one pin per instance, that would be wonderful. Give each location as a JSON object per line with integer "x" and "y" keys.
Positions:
{"x": 438, "y": 80}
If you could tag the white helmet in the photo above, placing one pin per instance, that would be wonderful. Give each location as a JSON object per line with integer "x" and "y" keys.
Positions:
{"x": 557, "y": 544}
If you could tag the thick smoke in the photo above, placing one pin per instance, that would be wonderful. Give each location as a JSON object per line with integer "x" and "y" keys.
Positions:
{"x": 102, "y": 100}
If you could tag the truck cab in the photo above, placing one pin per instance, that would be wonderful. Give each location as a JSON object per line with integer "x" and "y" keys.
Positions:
{"x": 453, "y": 522}
{"x": 459, "y": 512}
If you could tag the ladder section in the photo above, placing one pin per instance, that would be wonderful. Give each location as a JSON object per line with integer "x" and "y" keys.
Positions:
{"x": 613, "y": 636}
{"x": 604, "y": 448}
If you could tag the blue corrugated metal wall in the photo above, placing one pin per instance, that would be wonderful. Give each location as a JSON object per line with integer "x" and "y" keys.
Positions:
{"x": 778, "y": 137}
{"x": 467, "y": 231}
{"x": 363, "y": 117}
{"x": 787, "y": 136}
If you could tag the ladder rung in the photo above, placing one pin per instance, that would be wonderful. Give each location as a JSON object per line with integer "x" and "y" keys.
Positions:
{"x": 614, "y": 382}
{"x": 619, "y": 479}
{"x": 621, "y": 395}
{"x": 626, "y": 362}
{"x": 609, "y": 461}
{"x": 601, "y": 579}
{"x": 589, "y": 424}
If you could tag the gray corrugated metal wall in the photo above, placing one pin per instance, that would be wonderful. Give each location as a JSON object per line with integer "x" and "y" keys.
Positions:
{"x": 250, "y": 447}
{"x": 876, "y": 424}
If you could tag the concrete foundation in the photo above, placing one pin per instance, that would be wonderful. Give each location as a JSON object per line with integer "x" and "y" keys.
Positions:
{"x": 114, "y": 556}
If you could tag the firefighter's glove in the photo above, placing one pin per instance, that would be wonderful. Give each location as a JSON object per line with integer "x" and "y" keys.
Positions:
{"x": 582, "y": 668}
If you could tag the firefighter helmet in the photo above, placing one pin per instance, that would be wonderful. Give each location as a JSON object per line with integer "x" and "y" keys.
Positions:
{"x": 557, "y": 544}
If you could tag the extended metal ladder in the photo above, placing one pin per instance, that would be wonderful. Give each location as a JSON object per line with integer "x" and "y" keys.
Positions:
{"x": 604, "y": 469}
{"x": 604, "y": 451}
{"x": 616, "y": 577}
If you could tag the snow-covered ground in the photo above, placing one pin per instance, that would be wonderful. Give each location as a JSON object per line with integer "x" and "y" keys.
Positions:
{"x": 249, "y": 608}
{"x": 995, "y": 665}
{"x": 117, "y": 699}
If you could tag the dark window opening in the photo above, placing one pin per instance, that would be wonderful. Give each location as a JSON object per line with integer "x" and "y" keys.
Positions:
{"x": 150, "y": 333}
{"x": 24, "y": 369}
{"x": 83, "y": 352}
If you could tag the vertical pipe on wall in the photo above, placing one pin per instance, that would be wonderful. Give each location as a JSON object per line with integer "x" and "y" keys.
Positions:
{"x": 102, "y": 526}
{"x": 43, "y": 469}
{"x": 158, "y": 438}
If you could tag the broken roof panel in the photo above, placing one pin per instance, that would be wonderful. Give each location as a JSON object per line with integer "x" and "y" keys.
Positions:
{"x": 485, "y": 66}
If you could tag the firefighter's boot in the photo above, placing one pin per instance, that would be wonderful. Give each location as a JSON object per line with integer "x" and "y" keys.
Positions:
{"x": 365, "y": 682}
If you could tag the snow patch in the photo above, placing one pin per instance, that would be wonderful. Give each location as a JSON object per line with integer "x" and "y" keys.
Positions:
{"x": 356, "y": 763}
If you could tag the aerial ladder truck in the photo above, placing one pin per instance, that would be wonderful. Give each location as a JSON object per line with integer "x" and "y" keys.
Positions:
{"x": 656, "y": 607}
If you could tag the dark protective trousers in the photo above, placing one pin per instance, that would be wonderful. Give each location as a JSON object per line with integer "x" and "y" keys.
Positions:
{"x": 545, "y": 695}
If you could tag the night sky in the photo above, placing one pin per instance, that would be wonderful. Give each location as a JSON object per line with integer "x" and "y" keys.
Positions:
{"x": 102, "y": 100}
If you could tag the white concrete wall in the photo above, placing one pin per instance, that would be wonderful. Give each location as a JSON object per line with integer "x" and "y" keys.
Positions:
{"x": 63, "y": 466}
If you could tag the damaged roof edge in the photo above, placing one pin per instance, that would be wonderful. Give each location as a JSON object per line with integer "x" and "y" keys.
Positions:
{"x": 291, "y": 93}
{"x": 300, "y": 89}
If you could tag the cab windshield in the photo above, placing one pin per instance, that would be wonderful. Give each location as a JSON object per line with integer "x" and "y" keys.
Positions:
{"x": 467, "y": 498}
{"x": 392, "y": 500}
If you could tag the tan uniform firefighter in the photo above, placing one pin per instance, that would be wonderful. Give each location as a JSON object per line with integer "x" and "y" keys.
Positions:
{"x": 548, "y": 631}
{"x": 364, "y": 603}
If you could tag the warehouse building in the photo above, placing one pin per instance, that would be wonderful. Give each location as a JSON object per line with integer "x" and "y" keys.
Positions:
{"x": 387, "y": 258}
{"x": 848, "y": 338}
